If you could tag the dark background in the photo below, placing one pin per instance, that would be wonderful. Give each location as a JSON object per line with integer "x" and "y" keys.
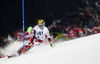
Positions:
{"x": 11, "y": 12}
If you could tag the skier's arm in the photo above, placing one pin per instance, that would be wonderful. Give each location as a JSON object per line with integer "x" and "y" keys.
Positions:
{"x": 30, "y": 29}
{"x": 34, "y": 34}
{"x": 49, "y": 39}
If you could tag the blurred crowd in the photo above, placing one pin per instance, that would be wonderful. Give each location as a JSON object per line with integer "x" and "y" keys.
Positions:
{"x": 82, "y": 21}
{"x": 6, "y": 40}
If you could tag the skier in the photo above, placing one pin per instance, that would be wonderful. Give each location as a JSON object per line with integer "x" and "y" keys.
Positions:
{"x": 40, "y": 32}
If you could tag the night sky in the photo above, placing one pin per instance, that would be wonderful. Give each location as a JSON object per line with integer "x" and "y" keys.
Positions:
{"x": 11, "y": 12}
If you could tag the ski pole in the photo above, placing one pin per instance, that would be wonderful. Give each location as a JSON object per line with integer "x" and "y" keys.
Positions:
{"x": 28, "y": 30}
{"x": 9, "y": 46}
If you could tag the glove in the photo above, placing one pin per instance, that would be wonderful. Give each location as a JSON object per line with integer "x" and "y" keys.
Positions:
{"x": 29, "y": 29}
{"x": 52, "y": 45}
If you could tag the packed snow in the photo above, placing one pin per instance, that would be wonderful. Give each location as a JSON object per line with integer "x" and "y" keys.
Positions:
{"x": 84, "y": 50}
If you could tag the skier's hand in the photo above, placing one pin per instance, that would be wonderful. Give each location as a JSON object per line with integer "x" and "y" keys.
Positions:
{"x": 29, "y": 29}
{"x": 52, "y": 45}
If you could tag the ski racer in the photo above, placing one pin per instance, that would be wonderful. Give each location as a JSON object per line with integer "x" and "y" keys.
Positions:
{"x": 40, "y": 32}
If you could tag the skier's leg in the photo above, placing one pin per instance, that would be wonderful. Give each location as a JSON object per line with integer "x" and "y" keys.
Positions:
{"x": 28, "y": 45}
{"x": 31, "y": 44}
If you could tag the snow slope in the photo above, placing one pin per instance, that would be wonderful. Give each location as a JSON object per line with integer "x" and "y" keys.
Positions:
{"x": 84, "y": 50}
